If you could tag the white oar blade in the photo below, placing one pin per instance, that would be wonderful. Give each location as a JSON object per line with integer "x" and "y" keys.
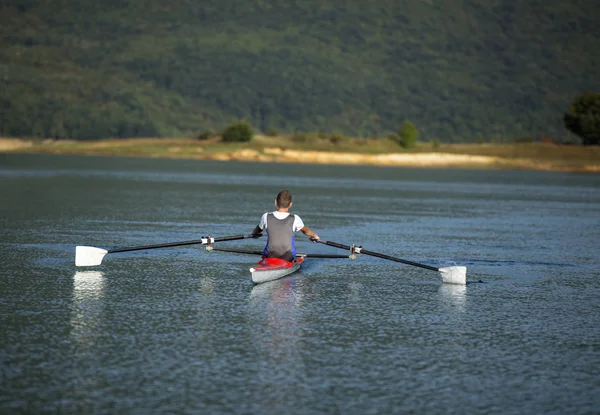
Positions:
{"x": 454, "y": 275}
{"x": 88, "y": 256}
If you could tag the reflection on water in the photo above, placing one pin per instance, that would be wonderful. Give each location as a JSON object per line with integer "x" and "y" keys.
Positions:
{"x": 355, "y": 294}
{"x": 207, "y": 285}
{"x": 277, "y": 303}
{"x": 88, "y": 291}
{"x": 282, "y": 291}
{"x": 88, "y": 285}
{"x": 454, "y": 297}
{"x": 275, "y": 337}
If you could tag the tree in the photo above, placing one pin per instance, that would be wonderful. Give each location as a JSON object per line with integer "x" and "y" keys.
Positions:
{"x": 205, "y": 135}
{"x": 408, "y": 135}
{"x": 239, "y": 131}
{"x": 583, "y": 118}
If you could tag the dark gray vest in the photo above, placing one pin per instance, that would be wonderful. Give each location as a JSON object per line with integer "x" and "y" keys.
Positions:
{"x": 281, "y": 237}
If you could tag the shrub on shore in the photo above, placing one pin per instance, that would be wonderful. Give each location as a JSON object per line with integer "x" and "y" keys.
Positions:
{"x": 408, "y": 135}
{"x": 239, "y": 131}
{"x": 583, "y": 118}
{"x": 205, "y": 135}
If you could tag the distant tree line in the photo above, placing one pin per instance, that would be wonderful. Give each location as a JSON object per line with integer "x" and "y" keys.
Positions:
{"x": 458, "y": 71}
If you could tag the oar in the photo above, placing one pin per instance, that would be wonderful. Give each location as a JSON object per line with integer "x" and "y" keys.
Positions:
{"x": 89, "y": 256}
{"x": 250, "y": 252}
{"x": 450, "y": 275}
{"x": 237, "y": 251}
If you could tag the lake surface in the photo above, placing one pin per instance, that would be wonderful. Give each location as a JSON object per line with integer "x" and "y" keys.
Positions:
{"x": 183, "y": 330}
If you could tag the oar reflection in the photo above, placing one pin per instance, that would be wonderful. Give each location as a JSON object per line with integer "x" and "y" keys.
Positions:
{"x": 86, "y": 309}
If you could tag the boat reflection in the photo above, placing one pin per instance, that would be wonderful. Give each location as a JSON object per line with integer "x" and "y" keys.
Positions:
{"x": 88, "y": 293}
{"x": 281, "y": 291}
{"x": 277, "y": 328}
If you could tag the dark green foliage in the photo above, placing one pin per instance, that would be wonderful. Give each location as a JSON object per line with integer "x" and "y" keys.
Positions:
{"x": 336, "y": 139}
{"x": 205, "y": 135}
{"x": 583, "y": 118}
{"x": 460, "y": 69}
{"x": 273, "y": 132}
{"x": 408, "y": 135}
{"x": 435, "y": 144}
{"x": 239, "y": 131}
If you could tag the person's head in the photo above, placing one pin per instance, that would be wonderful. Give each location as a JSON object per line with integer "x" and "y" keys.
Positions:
{"x": 284, "y": 200}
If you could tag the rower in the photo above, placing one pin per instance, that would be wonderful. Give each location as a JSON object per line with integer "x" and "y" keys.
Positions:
{"x": 281, "y": 226}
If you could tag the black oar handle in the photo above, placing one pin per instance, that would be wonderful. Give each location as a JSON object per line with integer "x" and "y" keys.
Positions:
{"x": 334, "y": 244}
{"x": 359, "y": 250}
{"x": 194, "y": 242}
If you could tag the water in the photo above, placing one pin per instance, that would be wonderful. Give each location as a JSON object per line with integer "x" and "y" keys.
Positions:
{"x": 182, "y": 330}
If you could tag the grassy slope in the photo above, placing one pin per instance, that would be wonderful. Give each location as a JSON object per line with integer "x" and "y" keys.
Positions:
{"x": 262, "y": 148}
{"x": 461, "y": 69}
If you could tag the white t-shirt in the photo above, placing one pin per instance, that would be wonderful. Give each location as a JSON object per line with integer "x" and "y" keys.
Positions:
{"x": 298, "y": 224}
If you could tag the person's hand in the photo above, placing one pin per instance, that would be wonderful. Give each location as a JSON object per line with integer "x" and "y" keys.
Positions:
{"x": 315, "y": 239}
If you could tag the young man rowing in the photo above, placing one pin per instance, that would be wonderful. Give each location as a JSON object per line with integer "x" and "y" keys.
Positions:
{"x": 281, "y": 226}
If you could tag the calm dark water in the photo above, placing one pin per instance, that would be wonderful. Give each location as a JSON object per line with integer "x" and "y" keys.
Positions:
{"x": 183, "y": 330}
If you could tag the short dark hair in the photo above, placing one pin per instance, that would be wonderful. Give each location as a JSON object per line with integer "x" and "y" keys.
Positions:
{"x": 284, "y": 199}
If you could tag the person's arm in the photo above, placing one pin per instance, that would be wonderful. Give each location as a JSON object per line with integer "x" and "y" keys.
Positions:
{"x": 257, "y": 230}
{"x": 308, "y": 232}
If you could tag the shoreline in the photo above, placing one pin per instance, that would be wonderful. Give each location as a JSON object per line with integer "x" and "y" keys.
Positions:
{"x": 272, "y": 153}
{"x": 419, "y": 160}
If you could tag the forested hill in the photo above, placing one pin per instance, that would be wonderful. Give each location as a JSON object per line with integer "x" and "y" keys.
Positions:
{"x": 459, "y": 69}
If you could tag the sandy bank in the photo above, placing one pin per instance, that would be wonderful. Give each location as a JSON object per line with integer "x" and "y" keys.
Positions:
{"x": 11, "y": 144}
{"x": 394, "y": 159}
{"x": 278, "y": 155}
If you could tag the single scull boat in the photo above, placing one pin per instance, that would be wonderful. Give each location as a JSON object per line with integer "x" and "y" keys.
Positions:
{"x": 269, "y": 269}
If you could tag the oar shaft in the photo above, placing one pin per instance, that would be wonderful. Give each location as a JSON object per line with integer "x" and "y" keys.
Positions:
{"x": 194, "y": 242}
{"x": 378, "y": 255}
{"x": 334, "y": 244}
{"x": 404, "y": 261}
{"x": 238, "y": 251}
{"x": 324, "y": 256}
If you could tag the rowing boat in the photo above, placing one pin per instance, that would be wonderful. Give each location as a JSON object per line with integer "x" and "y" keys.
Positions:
{"x": 269, "y": 269}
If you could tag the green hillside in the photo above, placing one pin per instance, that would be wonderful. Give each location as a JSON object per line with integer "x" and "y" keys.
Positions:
{"x": 461, "y": 70}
